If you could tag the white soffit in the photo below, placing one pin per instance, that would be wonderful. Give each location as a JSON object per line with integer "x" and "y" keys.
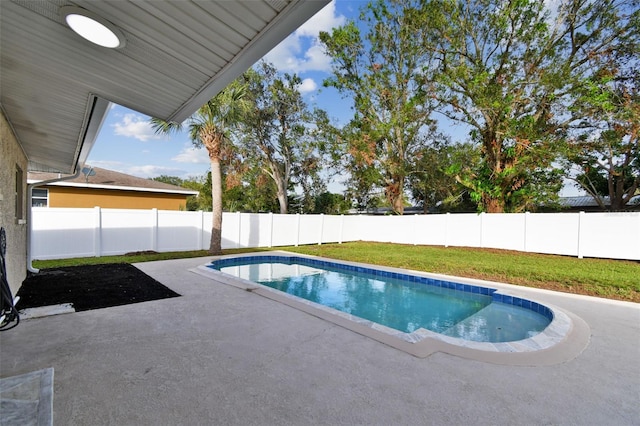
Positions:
{"x": 55, "y": 87}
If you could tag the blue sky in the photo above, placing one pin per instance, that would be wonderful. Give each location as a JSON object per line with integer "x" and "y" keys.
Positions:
{"x": 127, "y": 143}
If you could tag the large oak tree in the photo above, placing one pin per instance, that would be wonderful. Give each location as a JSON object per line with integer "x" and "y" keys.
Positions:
{"x": 509, "y": 70}
{"x": 381, "y": 69}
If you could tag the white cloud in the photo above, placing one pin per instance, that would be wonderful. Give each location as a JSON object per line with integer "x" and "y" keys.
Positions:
{"x": 191, "y": 154}
{"x": 135, "y": 126}
{"x": 324, "y": 20}
{"x": 117, "y": 166}
{"x": 302, "y": 50}
{"x": 150, "y": 171}
{"x": 307, "y": 85}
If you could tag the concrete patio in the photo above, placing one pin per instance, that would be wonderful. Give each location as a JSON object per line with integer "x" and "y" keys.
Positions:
{"x": 221, "y": 355}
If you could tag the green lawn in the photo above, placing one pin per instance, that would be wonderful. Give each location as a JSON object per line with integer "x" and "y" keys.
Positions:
{"x": 612, "y": 279}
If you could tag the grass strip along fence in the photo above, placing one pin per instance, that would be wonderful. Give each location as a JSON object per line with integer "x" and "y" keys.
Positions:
{"x": 612, "y": 279}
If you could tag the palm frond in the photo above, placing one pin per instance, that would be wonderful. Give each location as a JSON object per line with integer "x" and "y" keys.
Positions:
{"x": 160, "y": 126}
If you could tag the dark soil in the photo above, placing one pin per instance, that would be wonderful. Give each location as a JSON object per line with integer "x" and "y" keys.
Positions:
{"x": 91, "y": 287}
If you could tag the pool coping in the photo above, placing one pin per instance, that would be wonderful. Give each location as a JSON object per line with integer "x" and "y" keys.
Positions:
{"x": 562, "y": 340}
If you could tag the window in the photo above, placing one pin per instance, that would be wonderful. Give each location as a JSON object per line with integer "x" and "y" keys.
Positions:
{"x": 40, "y": 197}
{"x": 19, "y": 194}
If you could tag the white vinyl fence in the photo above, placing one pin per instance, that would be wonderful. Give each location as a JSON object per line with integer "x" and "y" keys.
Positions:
{"x": 64, "y": 233}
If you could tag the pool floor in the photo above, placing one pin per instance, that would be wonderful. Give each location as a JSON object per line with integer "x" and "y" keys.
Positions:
{"x": 393, "y": 302}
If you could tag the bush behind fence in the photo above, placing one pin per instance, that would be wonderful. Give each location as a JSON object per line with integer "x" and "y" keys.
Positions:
{"x": 66, "y": 232}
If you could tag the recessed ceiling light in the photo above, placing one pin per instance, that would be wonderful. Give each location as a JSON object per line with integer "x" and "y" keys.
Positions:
{"x": 92, "y": 27}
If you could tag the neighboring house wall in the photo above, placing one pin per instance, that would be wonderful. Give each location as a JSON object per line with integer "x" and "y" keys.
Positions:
{"x": 113, "y": 199}
{"x": 11, "y": 158}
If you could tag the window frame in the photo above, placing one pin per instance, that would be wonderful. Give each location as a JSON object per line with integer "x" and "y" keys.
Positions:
{"x": 35, "y": 197}
{"x": 19, "y": 195}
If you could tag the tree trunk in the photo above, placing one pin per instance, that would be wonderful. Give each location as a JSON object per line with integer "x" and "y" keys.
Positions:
{"x": 493, "y": 156}
{"x": 281, "y": 186}
{"x": 282, "y": 197}
{"x": 215, "y": 246}
{"x": 394, "y": 194}
{"x": 398, "y": 205}
{"x": 492, "y": 205}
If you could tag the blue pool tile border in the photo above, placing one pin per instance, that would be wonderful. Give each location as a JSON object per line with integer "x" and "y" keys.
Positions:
{"x": 466, "y": 288}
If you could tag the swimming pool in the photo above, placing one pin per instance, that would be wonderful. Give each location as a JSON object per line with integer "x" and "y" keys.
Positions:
{"x": 407, "y": 303}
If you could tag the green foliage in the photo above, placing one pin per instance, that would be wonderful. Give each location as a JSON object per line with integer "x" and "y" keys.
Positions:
{"x": 380, "y": 69}
{"x": 508, "y": 70}
{"x": 604, "y": 148}
{"x": 433, "y": 181}
{"x": 329, "y": 203}
{"x": 255, "y": 192}
{"x": 171, "y": 180}
{"x": 280, "y": 134}
{"x": 202, "y": 201}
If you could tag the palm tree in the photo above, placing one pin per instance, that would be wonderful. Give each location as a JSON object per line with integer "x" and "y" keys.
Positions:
{"x": 210, "y": 126}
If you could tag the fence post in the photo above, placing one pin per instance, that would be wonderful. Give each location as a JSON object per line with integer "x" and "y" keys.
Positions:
{"x": 321, "y": 228}
{"x": 270, "y": 229}
{"x": 638, "y": 238}
{"x": 97, "y": 232}
{"x": 415, "y": 230}
{"x": 580, "y": 230}
{"x": 297, "y": 229}
{"x": 481, "y": 227}
{"x": 238, "y": 214}
{"x": 341, "y": 228}
{"x": 154, "y": 229}
{"x": 446, "y": 229}
{"x": 526, "y": 235}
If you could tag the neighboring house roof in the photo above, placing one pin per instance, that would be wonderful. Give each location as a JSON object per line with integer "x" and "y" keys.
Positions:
{"x": 56, "y": 87}
{"x": 109, "y": 179}
{"x": 589, "y": 201}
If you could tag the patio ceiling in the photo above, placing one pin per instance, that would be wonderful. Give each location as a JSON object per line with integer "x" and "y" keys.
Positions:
{"x": 55, "y": 87}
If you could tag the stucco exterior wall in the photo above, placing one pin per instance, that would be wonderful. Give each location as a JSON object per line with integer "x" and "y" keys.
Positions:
{"x": 113, "y": 199}
{"x": 12, "y": 155}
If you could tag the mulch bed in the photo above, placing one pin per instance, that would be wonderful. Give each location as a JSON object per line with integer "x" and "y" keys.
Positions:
{"x": 91, "y": 287}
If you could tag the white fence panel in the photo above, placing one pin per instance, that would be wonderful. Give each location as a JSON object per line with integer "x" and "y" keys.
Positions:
{"x": 431, "y": 229}
{"x": 375, "y": 228}
{"x": 403, "y": 229}
{"x": 552, "y": 233}
{"x": 612, "y": 235}
{"x": 126, "y": 231}
{"x": 464, "y": 230}
{"x": 353, "y": 228}
{"x": 285, "y": 230}
{"x": 310, "y": 230}
{"x": 179, "y": 231}
{"x": 62, "y": 233}
{"x": 255, "y": 230}
{"x": 503, "y": 231}
{"x": 231, "y": 227}
{"x": 332, "y": 229}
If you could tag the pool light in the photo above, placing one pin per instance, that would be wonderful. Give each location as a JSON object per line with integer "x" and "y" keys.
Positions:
{"x": 92, "y": 27}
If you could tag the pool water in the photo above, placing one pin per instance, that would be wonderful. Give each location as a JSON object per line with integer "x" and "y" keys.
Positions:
{"x": 395, "y": 302}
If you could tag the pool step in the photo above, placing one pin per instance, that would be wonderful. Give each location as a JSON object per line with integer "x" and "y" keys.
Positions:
{"x": 496, "y": 322}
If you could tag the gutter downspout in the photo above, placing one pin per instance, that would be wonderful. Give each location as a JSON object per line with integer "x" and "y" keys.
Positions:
{"x": 30, "y": 187}
{"x": 95, "y": 115}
